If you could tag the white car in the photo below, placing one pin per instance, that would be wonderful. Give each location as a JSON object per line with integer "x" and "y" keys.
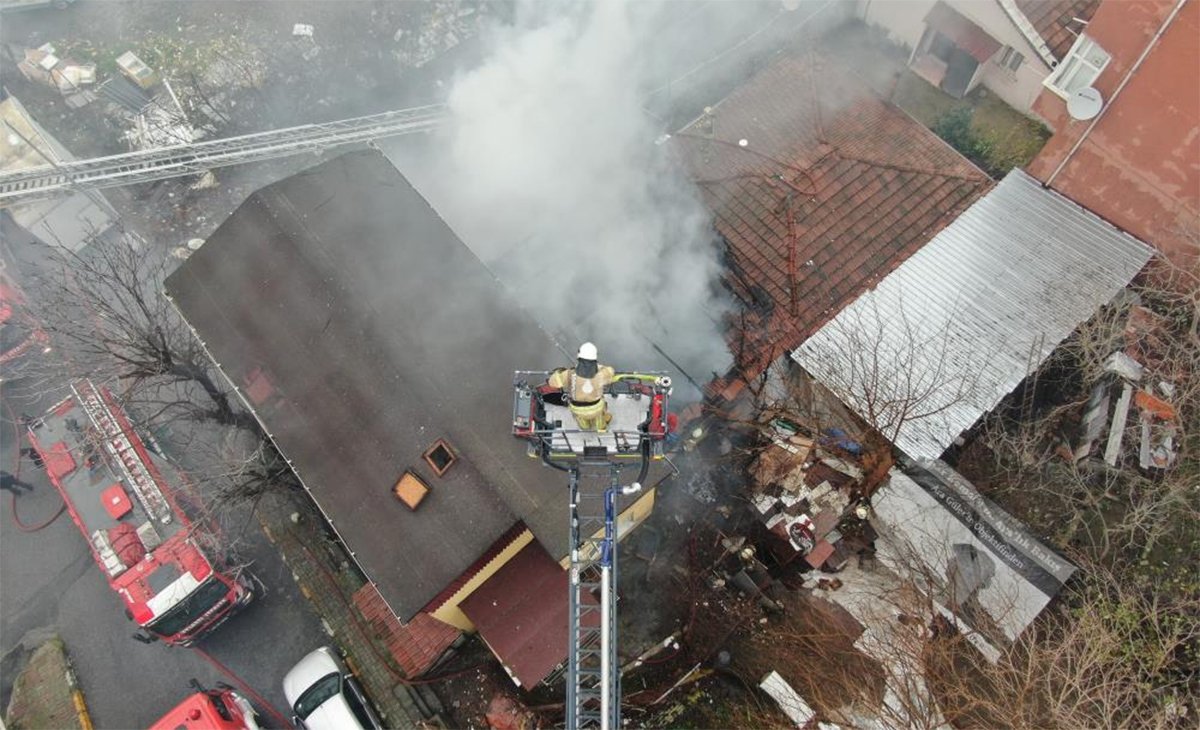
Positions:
{"x": 324, "y": 696}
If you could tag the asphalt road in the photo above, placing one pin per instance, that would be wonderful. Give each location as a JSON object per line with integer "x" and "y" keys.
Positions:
{"x": 49, "y": 581}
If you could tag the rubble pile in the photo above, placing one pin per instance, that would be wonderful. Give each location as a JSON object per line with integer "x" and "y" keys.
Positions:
{"x": 806, "y": 482}
{"x": 1129, "y": 416}
{"x": 70, "y": 77}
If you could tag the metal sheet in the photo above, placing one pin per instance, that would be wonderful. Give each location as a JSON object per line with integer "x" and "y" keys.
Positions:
{"x": 959, "y": 324}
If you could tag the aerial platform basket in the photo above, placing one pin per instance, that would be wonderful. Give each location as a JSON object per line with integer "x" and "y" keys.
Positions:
{"x": 637, "y": 402}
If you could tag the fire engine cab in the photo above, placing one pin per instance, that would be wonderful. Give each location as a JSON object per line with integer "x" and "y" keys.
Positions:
{"x": 153, "y": 557}
{"x": 210, "y": 709}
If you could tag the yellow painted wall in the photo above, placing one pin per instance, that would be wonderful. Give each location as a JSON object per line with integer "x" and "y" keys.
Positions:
{"x": 449, "y": 611}
{"x": 634, "y": 515}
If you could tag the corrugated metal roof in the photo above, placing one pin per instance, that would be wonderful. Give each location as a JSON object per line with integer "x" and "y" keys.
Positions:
{"x": 959, "y": 324}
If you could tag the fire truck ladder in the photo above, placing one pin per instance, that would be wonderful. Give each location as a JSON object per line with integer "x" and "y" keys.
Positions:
{"x": 593, "y": 461}
{"x": 119, "y": 444}
{"x": 186, "y": 159}
{"x": 593, "y": 672}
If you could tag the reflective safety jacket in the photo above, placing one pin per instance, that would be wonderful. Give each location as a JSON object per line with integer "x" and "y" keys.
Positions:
{"x": 581, "y": 391}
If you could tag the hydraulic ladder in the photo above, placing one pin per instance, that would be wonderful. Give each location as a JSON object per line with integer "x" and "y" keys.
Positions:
{"x": 593, "y": 671}
{"x": 593, "y": 462}
{"x": 19, "y": 186}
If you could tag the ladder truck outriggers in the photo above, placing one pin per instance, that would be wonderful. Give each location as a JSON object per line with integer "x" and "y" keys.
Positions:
{"x": 154, "y": 557}
{"x": 593, "y": 462}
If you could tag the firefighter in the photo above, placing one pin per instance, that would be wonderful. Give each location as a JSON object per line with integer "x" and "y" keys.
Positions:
{"x": 583, "y": 386}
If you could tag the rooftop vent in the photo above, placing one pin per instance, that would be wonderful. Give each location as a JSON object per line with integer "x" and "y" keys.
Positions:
{"x": 410, "y": 490}
{"x": 440, "y": 457}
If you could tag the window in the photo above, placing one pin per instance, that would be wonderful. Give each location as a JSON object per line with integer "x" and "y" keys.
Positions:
{"x": 439, "y": 456}
{"x": 1079, "y": 69}
{"x": 1010, "y": 59}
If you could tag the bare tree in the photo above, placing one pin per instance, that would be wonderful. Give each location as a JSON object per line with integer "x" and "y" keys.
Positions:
{"x": 1122, "y": 512}
{"x": 895, "y": 369}
{"x": 103, "y": 306}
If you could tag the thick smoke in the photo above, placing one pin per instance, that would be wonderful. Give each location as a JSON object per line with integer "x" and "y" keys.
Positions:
{"x": 550, "y": 172}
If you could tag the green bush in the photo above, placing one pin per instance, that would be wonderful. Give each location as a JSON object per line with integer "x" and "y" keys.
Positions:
{"x": 996, "y": 153}
{"x": 955, "y": 127}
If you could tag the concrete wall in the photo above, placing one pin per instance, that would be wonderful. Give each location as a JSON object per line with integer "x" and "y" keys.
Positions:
{"x": 904, "y": 21}
{"x": 1139, "y": 167}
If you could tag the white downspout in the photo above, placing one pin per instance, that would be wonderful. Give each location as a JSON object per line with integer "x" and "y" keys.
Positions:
{"x": 605, "y": 614}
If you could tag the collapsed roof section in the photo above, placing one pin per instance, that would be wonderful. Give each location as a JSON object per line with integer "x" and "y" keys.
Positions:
{"x": 361, "y": 330}
{"x": 819, "y": 188}
{"x": 959, "y": 325}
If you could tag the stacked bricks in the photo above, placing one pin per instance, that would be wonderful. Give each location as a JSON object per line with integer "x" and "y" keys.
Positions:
{"x": 416, "y": 645}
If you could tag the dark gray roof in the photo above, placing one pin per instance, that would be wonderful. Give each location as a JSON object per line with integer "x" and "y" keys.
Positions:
{"x": 378, "y": 332}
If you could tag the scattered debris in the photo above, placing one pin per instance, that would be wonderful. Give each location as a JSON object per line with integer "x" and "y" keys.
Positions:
{"x": 790, "y": 701}
{"x": 807, "y": 483}
{"x": 446, "y": 25}
{"x": 136, "y": 70}
{"x": 162, "y": 123}
{"x": 505, "y": 712}
{"x": 42, "y": 66}
{"x": 1157, "y": 424}
{"x": 1117, "y": 432}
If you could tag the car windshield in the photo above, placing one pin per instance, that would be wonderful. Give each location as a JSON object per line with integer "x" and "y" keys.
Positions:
{"x": 193, "y": 607}
{"x": 314, "y": 696}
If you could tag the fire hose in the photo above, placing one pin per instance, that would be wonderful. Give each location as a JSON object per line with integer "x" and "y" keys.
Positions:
{"x": 17, "y": 474}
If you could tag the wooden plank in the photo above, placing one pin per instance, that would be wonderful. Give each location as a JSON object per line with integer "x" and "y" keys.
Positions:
{"x": 1113, "y": 449}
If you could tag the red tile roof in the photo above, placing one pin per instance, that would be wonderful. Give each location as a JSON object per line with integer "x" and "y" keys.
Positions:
{"x": 833, "y": 190}
{"x": 416, "y": 645}
{"x": 521, "y": 613}
{"x": 965, "y": 33}
{"x": 1057, "y": 21}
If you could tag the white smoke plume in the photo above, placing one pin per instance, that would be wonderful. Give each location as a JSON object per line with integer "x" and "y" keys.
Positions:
{"x": 549, "y": 171}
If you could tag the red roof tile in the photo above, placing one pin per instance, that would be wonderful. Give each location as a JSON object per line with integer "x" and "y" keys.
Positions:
{"x": 864, "y": 186}
{"x": 521, "y": 613}
{"x": 965, "y": 34}
{"x": 1058, "y": 21}
{"x": 416, "y": 645}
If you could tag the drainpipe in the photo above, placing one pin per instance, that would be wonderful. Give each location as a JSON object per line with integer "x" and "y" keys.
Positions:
{"x": 1137, "y": 64}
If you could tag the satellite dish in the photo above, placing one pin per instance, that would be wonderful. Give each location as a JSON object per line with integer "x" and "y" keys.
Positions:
{"x": 1085, "y": 104}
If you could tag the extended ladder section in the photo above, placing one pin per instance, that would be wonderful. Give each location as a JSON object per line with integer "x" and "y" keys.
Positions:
{"x": 186, "y": 159}
{"x": 593, "y": 460}
{"x": 122, "y": 445}
{"x": 593, "y": 675}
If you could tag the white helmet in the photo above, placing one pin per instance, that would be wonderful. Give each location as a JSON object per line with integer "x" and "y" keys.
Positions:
{"x": 587, "y": 351}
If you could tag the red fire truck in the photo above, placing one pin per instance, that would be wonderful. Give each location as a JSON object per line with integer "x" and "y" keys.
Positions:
{"x": 153, "y": 556}
{"x": 210, "y": 709}
{"x": 20, "y": 334}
